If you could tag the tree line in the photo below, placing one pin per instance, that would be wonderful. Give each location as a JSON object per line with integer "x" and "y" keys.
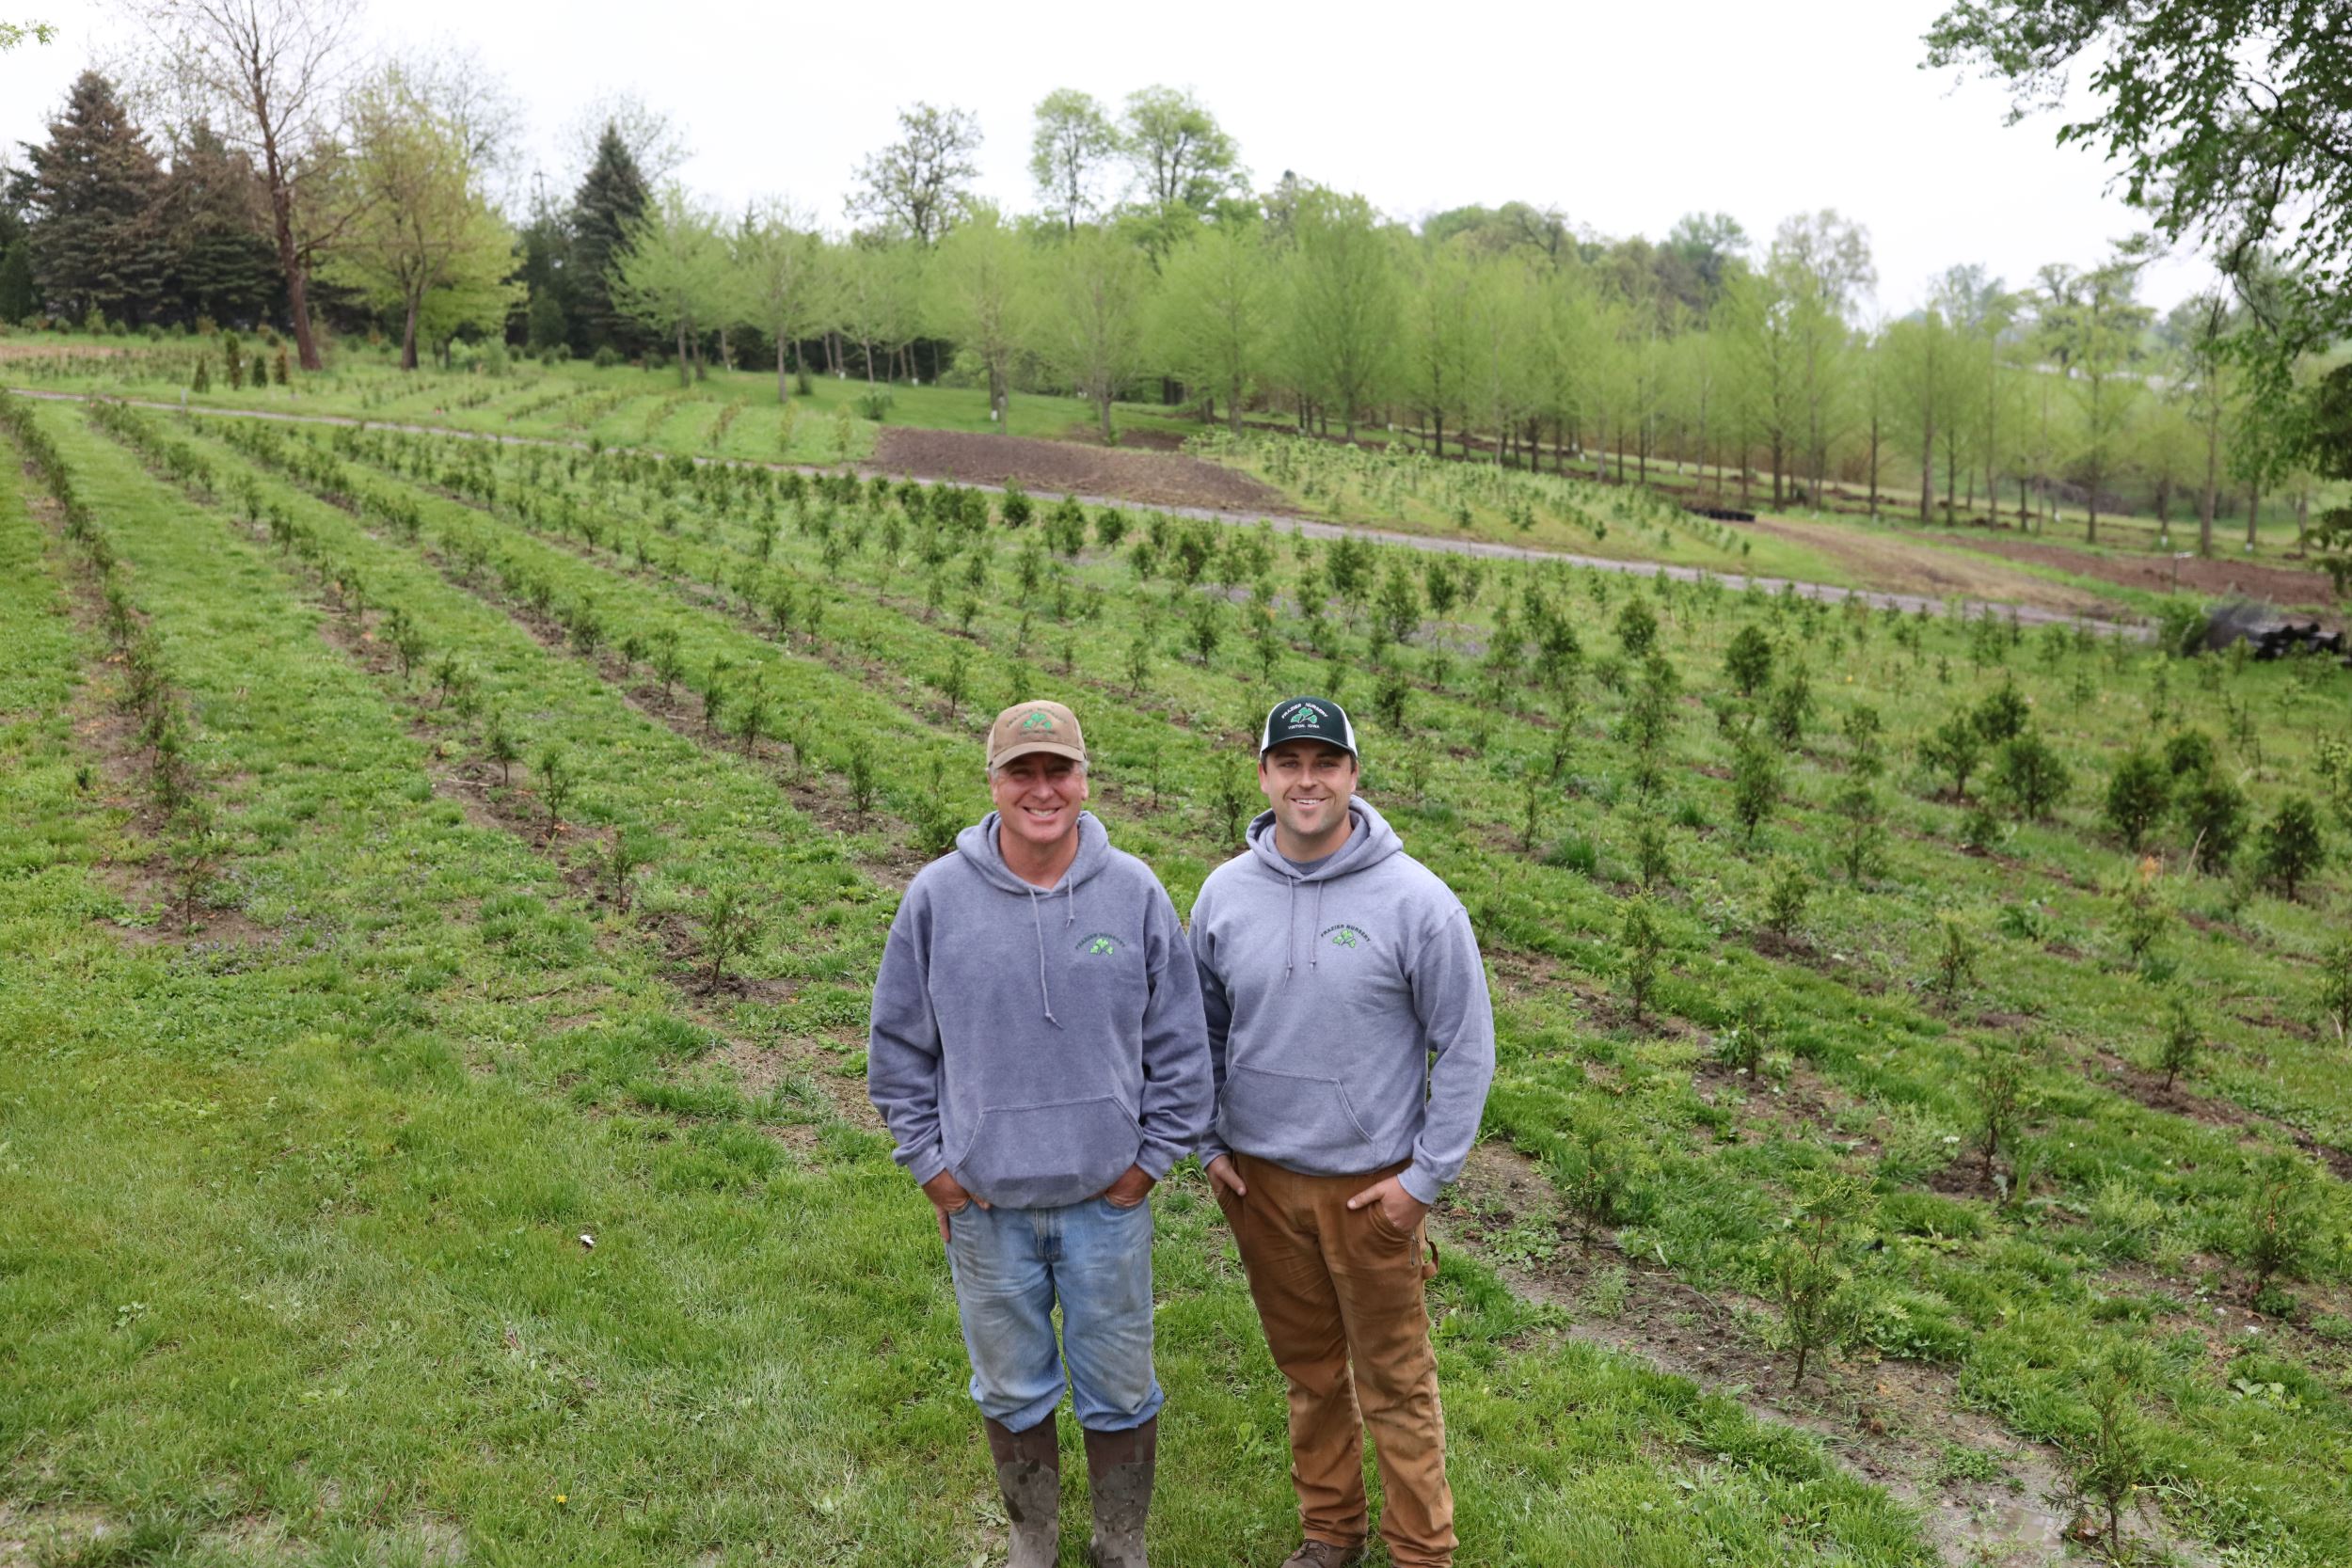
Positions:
{"x": 1151, "y": 265}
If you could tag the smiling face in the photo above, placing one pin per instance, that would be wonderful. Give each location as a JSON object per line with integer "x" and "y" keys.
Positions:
{"x": 1308, "y": 784}
{"x": 1038, "y": 797}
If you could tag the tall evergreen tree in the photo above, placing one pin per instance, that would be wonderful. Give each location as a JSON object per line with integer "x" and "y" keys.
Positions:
{"x": 16, "y": 282}
{"x": 551, "y": 305}
{"x": 221, "y": 260}
{"x": 96, "y": 200}
{"x": 611, "y": 201}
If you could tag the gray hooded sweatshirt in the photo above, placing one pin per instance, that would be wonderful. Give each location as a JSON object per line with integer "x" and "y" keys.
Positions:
{"x": 1038, "y": 1042}
{"x": 1349, "y": 1025}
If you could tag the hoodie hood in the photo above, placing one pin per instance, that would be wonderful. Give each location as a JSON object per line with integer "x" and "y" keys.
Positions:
{"x": 978, "y": 846}
{"x": 1370, "y": 841}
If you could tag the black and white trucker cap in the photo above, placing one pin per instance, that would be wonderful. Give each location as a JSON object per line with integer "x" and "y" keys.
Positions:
{"x": 1308, "y": 718}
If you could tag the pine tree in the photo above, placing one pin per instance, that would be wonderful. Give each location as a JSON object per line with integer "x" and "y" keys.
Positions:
{"x": 95, "y": 194}
{"x": 17, "y": 297}
{"x": 224, "y": 266}
{"x": 612, "y": 197}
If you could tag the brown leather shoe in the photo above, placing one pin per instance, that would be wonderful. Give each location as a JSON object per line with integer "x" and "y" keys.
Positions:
{"x": 1322, "y": 1554}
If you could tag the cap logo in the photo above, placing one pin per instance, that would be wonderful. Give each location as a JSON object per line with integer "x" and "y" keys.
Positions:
{"x": 1306, "y": 717}
{"x": 1039, "y": 721}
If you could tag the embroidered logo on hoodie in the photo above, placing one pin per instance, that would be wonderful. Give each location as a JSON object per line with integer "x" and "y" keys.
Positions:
{"x": 1345, "y": 936}
{"x": 1099, "y": 945}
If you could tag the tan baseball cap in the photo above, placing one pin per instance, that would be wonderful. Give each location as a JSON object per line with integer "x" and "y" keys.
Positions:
{"x": 1037, "y": 726}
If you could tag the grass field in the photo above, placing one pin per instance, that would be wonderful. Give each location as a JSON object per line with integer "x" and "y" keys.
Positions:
{"x": 294, "y": 1268}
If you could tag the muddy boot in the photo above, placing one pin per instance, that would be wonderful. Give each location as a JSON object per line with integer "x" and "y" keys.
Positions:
{"x": 1028, "y": 1473}
{"x": 1119, "y": 1474}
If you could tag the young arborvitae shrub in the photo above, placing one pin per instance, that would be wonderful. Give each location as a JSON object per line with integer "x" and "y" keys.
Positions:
{"x": 2294, "y": 847}
{"x": 1810, "y": 1270}
{"x": 2003, "y": 714}
{"x": 1535, "y": 794}
{"x": 1754, "y": 784}
{"x": 1748, "y": 660}
{"x": 955, "y": 681}
{"x": 1998, "y": 1078}
{"x": 1862, "y": 846}
{"x": 859, "y": 771}
{"x": 2141, "y": 914}
{"x": 1014, "y": 506}
{"x": 196, "y": 851}
{"x": 1952, "y": 749}
{"x": 556, "y": 784}
{"x": 726, "y": 930}
{"x": 1742, "y": 1046}
{"x": 1862, "y": 729}
{"x": 2177, "y": 1049}
{"x": 1653, "y": 862}
{"x": 2030, "y": 776}
{"x": 2283, "y": 1222}
{"x": 1785, "y": 898}
{"x": 1231, "y": 800}
{"x": 202, "y": 381}
{"x": 1790, "y": 707}
{"x": 629, "y": 851}
{"x": 1597, "y": 1169}
{"x": 2213, "y": 816}
{"x": 501, "y": 747}
{"x": 2109, "y": 1463}
{"x": 1644, "y": 951}
{"x": 1391, "y": 699}
{"x": 750, "y": 716}
{"x": 1138, "y": 661}
{"x": 2335, "y": 984}
{"x": 1955, "y": 955}
{"x": 407, "y": 639}
{"x": 2140, "y": 792}
{"x": 1637, "y": 628}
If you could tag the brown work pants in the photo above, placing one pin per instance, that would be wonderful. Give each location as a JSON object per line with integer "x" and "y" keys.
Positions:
{"x": 1340, "y": 1296}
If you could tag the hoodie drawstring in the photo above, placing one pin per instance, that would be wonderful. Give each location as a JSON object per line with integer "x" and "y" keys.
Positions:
{"x": 1315, "y": 944}
{"x": 1039, "y": 921}
{"x": 1290, "y": 932}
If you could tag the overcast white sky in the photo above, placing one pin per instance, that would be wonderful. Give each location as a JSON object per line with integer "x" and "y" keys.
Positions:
{"x": 1625, "y": 117}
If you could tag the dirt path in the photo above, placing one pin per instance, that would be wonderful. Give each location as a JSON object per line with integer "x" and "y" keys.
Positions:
{"x": 1897, "y": 564}
{"x": 2218, "y": 576}
{"x": 2028, "y": 614}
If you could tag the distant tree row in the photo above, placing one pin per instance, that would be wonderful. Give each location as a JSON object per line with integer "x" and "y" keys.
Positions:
{"x": 1152, "y": 267}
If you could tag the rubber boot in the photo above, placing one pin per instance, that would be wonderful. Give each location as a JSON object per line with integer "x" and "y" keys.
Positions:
{"x": 1028, "y": 1473}
{"x": 1120, "y": 1467}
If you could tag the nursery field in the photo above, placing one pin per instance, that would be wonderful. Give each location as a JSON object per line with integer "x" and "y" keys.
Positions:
{"x": 913, "y": 431}
{"x": 441, "y": 882}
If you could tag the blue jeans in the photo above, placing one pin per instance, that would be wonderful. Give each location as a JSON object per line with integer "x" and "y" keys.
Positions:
{"x": 1011, "y": 1265}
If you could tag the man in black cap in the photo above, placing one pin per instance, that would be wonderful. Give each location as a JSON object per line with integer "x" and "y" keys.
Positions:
{"x": 1352, "y": 1041}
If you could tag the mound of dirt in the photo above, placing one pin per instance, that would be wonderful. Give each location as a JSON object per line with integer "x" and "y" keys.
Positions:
{"x": 1052, "y": 469}
{"x": 2282, "y": 585}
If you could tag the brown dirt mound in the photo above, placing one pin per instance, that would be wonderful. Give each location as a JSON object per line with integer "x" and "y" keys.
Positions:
{"x": 1059, "y": 467}
{"x": 2280, "y": 585}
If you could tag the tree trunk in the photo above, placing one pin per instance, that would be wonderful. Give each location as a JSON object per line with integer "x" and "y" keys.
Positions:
{"x": 1103, "y": 406}
{"x": 682, "y": 372}
{"x": 1927, "y": 473}
{"x": 2213, "y": 487}
{"x": 408, "y": 336}
{"x": 2253, "y": 514}
{"x": 784, "y": 386}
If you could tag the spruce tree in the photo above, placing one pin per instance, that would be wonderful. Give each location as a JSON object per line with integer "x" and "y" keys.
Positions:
{"x": 95, "y": 194}
{"x": 17, "y": 297}
{"x": 612, "y": 196}
{"x": 224, "y": 267}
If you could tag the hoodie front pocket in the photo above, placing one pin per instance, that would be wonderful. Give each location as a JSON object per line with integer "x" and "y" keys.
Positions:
{"x": 1041, "y": 1156}
{"x": 1308, "y": 1123}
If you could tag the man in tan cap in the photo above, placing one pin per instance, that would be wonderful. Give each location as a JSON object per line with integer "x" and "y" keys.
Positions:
{"x": 1040, "y": 1078}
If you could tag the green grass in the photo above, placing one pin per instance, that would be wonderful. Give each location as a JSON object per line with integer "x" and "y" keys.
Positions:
{"x": 293, "y": 1267}
{"x": 2013, "y": 1296}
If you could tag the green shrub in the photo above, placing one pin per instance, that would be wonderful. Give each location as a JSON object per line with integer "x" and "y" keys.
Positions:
{"x": 2140, "y": 792}
{"x": 2293, "y": 844}
{"x": 2028, "y": 775}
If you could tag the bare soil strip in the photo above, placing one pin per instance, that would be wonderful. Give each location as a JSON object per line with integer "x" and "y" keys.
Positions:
{"x": 1060, "y": 467}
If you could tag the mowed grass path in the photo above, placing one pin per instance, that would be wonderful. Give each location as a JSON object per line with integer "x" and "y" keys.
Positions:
{"x": 292, "y": 1261}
